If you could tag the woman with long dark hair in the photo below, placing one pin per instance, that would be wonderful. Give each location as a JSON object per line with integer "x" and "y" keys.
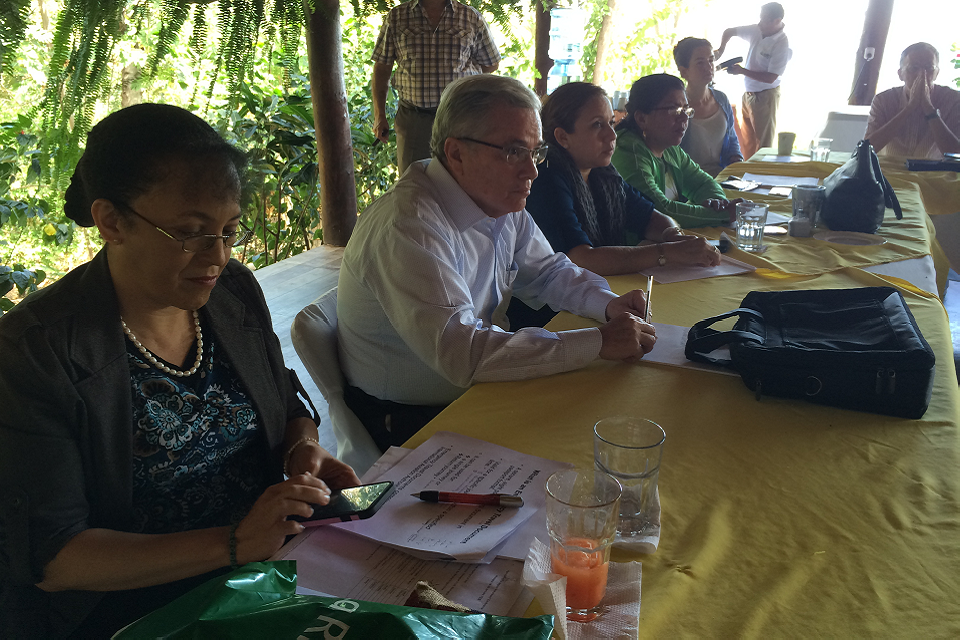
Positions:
{"x": 649, "y": 157}
{"x": 583, "y": 206}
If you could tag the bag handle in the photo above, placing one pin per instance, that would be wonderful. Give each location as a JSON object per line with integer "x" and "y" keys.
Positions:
{"x": 889, "y": 197}
{"x": 701, "y": 339}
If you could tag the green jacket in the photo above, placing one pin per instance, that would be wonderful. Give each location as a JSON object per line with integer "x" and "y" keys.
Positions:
{"x": 640, "y": 168}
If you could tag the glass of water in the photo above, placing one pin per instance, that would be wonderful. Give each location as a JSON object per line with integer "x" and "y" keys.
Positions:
{"x": 820, "y": 149}
{"x": 751, "y": 218}
{"x": 630, "y": 450}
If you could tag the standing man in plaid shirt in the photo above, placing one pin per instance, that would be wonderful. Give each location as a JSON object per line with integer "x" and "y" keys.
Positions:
{"x": 433, "y": 43}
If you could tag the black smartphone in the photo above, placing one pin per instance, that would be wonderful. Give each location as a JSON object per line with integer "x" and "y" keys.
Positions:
{"x": 353, "y": 503}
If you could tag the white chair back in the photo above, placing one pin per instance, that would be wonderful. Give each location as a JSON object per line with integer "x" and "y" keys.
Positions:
{"x": 314, "y": 336}
{"x": 846, "y": 127}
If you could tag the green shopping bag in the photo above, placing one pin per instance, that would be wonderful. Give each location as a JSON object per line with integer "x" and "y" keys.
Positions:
{"x": 259, "y": 600}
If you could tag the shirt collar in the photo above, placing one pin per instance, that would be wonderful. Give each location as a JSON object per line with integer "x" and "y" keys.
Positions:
{"x": 777, "y": 36}
{"x": 458, "y": 206}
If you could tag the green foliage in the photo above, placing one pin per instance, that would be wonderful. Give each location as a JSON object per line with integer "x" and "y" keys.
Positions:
{"x": 21, "y": 278}
{"x": 13, "y": 25}
{"x": 646, "y": 48}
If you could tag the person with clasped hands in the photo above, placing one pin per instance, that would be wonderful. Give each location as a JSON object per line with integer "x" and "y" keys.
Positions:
{"x": 919, "y": 119}
{"x": 432, "y": 264}
{"x": 147, "y": 413}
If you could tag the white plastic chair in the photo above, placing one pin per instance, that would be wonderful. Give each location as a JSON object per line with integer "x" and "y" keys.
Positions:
{"x": 846, "y": 127}
{"x": 314, "y": 336}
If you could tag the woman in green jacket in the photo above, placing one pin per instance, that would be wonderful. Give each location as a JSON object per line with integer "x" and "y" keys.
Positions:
{"x": 649, "y": 157}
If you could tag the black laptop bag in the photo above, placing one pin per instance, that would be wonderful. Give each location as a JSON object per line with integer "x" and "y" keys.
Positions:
{"x": 852, "y": 348}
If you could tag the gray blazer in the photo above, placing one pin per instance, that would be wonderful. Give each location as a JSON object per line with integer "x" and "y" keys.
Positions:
{"x": 65, "y": 418}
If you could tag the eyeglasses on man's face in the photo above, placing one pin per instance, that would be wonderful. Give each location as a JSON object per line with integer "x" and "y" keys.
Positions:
{"x": 513, "y": 154}
{"x": 202, "y": 241}
{"x": 682, "y": 110}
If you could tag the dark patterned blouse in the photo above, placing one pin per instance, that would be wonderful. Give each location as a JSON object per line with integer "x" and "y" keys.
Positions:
{"x": 199, "y": 459}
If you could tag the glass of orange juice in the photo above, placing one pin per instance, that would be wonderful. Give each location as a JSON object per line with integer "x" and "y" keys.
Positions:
{"x": 583, "y": 506}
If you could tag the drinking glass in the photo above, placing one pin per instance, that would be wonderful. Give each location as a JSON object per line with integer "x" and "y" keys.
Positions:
{"x": 630, "y": 449}
{"x": 820, "y": 149}
{"x": 807, "y": 202}
{"x": 582, "y": 508}
{"x": 751, "y": 218}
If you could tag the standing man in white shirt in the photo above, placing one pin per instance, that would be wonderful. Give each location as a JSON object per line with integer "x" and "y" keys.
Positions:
{"x": 766, "y": 61}
{"x": 430, "y": 269}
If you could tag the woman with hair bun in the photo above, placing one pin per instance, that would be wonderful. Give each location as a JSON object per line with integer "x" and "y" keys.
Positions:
{"x": 648, "y": 155}
{"x": 148, "y": 417}
{"x": 584, "y": 207}
{"x": 711, "y": 139}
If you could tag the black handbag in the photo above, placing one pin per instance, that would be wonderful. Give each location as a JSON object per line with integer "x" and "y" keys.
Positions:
{"x": 857, "y": 195}
{"x": 852, "y": 348}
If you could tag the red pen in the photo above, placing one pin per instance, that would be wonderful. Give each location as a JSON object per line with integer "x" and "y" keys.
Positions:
{"x": 495, "y": 499}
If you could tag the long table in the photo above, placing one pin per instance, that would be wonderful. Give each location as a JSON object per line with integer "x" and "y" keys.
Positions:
{"x": 780, "y": 518}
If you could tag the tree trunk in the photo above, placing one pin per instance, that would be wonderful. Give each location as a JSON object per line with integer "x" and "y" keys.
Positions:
{"x": 604, "y": 40}
{"x": 876, "y": 25}
{"x": 129, "y": 95}
{"x": 542, "y": 57}
{"x": 338, "y": 191}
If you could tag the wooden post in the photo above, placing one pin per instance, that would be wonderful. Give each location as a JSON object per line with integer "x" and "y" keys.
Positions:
{"x": 338, "y": 192}
{"x": 542, "y": 58}
{"x": 876, "y": 25}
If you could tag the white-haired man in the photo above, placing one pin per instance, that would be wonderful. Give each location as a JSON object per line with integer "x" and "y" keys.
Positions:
{"x": 431, "y": 267}
{"x": 919, "y": 119}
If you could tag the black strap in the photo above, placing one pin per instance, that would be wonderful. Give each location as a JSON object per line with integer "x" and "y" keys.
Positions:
{"x": 889, "y": 196}
{"x": 702, "y": 340}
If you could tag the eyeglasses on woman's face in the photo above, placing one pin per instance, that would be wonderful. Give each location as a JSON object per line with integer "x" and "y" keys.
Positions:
{"x": 514, "y": 153}
{"x": 683, "y": 110}
{"x": 202, "y": 241}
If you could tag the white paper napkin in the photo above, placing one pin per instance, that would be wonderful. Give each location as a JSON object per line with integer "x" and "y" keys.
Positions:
{"x": 649, "y": 541}
{"x": 621, "y": 602}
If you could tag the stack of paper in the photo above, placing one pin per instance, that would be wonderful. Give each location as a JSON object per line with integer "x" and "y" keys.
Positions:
{"x": 466, "y": 533}
{"x": 361, "y": 559}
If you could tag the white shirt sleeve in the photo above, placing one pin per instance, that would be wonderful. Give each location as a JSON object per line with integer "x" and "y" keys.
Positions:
{"x": 430, "y": 306}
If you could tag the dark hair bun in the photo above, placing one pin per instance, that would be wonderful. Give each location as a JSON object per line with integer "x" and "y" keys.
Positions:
{"x": 76, "y": 205}
{"x": 126, "y": 150}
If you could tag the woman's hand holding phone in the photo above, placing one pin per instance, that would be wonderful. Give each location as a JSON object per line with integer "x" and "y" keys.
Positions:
{"x": 265, "y": 528}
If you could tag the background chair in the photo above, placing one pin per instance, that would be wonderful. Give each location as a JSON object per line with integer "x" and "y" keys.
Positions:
{"x": 314, "y": 336}
{"x": 846, "y": 126}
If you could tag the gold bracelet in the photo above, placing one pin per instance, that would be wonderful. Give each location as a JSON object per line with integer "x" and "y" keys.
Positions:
{"x": 289, "y": 453}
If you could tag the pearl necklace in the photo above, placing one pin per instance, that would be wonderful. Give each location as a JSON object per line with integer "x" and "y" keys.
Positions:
{"x": 159, "y": 365}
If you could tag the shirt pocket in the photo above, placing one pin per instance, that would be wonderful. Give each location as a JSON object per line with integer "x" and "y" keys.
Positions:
{"x": 460, "y": 45}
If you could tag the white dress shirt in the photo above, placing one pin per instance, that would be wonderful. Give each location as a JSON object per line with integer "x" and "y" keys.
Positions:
{"x": 424, "y": 287}
{"x": 766, "y": 54}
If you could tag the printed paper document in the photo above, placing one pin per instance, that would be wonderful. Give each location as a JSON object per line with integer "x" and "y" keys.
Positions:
{"x": 456, "y": 463}
{"x": 334, "y": 562}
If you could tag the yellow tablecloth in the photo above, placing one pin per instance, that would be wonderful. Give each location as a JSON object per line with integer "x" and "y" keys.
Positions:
{"x": 780, "y": 518}
{"x": 939, "y": 190}
{"x": 911, "y": 237}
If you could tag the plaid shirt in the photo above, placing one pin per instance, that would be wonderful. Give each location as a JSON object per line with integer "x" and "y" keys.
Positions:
{"x": 429, "y": 59}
